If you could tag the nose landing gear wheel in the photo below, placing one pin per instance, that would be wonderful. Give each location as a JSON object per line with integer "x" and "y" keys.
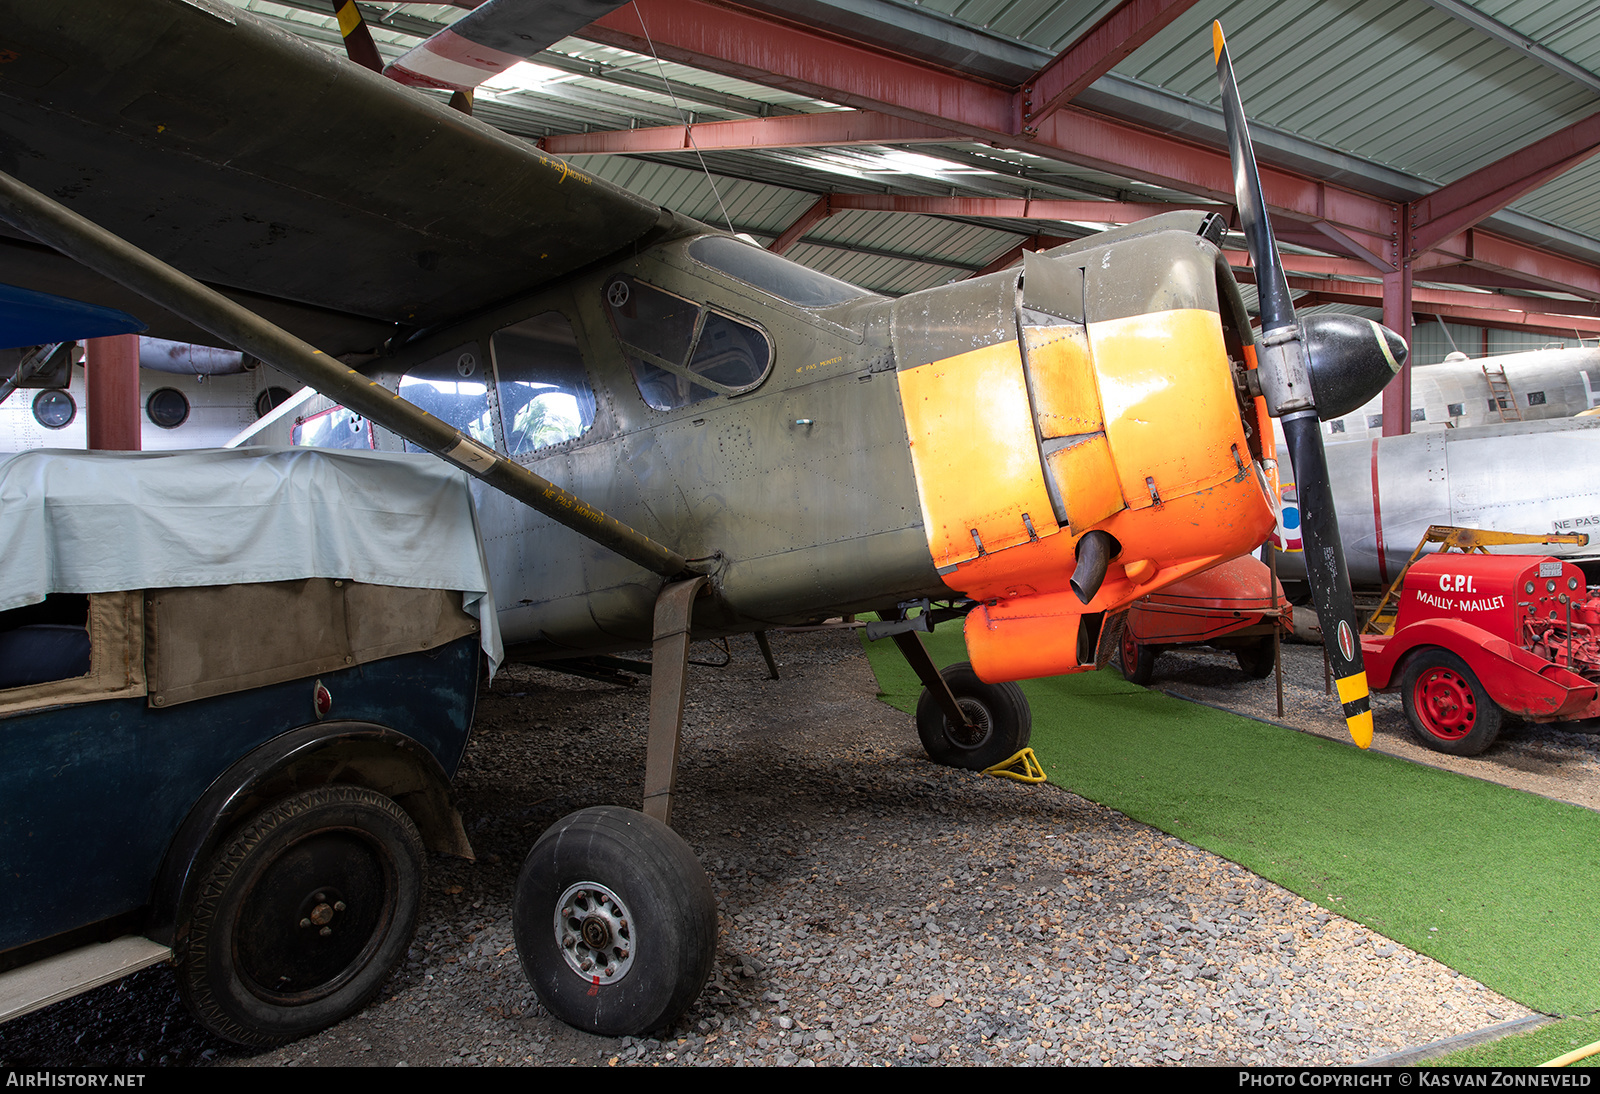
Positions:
{"x": 1448, "y": 708}
{"x": 615, "y": 922}
{"x": 301, "y": 917}
{"x": 1001, "y": 721}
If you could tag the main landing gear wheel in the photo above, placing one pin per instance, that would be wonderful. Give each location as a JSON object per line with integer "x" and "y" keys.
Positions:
{"x": 1448, "y": 709}
{"x": 1136, "y": 660}
{"x": 615, "y": 922}
{"x": 300, "y": 918}
{"x": 1001, "y": 721}
{"x": 1256, "y": 660}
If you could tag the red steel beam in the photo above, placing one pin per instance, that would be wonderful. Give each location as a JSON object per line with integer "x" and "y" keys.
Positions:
{"x": 1527, "y": 266}
{"x": 820, "y": 210}
{"x": 1014, "y": 255}
{"x": 734, "y": 41}
{"x": 1550, "y": 306}
{"x": 1399, "y": 296}
{"x": 111, "y": 379}
{"x": 1296, "y": 263}
{"x": 1124, "y": 29}
{"x": 1459, "y": 273}
{"x": 1466, "y": 201}
{"x": 1555, "y": 326}
{"x": 1095, "y": 212}
{"x": 1478, "y": 309}
{"x": 831, "y": 130}
{"x": 1008, "y": 258}
{"x": 737, "y": 42}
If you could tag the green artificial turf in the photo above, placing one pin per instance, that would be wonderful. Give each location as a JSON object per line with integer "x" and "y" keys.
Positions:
{"x": 1498, "y": 884}
{"x": 1530, "y": 1049}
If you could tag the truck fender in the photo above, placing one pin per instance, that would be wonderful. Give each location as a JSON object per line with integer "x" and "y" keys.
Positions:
{"x": 352, "y": 753}
{"x": 1515, "y": 679}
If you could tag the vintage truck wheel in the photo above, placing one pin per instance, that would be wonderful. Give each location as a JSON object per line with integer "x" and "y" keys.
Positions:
{"x": 615, "y": 922}
{"x": 300, "y": 918}
{"x": 1136, "y": 660}
{"x": 1448, "y": 709}
{"x": 1002, "y": 722}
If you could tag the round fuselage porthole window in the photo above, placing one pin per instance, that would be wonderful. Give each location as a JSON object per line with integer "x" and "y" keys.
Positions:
{"x": 54, "y": 408}
{"x": 167, "y": 408}
{"x": 269, "y": 400}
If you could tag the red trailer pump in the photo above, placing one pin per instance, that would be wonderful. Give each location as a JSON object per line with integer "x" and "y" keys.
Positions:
{"x": 1478, "y": 636}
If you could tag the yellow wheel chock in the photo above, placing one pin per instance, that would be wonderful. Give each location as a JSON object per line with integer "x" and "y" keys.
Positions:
{"x": 1024, "y": 767}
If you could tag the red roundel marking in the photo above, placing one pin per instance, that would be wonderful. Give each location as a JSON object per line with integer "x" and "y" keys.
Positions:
{"x": 1347, "y": 644}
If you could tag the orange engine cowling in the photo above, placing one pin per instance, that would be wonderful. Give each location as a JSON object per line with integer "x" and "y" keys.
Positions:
{"x": 1099, "y": 416}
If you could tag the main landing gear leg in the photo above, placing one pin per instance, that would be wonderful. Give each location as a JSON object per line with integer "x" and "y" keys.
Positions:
{"x": 669, "y": 667}
{"x": 615, "y": 920}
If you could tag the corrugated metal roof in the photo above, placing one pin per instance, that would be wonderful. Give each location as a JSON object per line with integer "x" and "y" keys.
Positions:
{"x": 1423, "y": 89}
{"x": 1395, "y": 81}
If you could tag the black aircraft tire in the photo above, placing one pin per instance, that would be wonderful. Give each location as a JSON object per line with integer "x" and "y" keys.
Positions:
{"x": 1256, "y": 660}
{"x": 1000, "y": 713}
{"x": 300, "y": 918}
{"x": 615, "y": 885}
{"x": 1448, "y": 708}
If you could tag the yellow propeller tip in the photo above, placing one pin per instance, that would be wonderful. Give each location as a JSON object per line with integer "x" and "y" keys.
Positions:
{"x": 1217, "y": 42}
{"x": 1361, "y": 729}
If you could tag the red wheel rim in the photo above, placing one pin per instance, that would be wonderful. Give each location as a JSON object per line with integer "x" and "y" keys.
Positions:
{"x": 1130, "y": 651}
{"x": 1445, "y": 703}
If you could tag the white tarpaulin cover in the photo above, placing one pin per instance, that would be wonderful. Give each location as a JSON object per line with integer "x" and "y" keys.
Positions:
{"x": 94, "y": 522}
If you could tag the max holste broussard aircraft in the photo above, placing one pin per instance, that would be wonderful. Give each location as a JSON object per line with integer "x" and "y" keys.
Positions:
{"x": 713, "y": 437}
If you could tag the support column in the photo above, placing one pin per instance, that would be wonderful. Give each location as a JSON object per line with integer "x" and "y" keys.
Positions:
{"x": 111, "y": 372}
{"x": 1397, "y": 317}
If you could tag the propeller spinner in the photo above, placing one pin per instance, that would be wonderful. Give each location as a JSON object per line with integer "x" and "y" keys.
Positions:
{"x": 1328, "y": 360}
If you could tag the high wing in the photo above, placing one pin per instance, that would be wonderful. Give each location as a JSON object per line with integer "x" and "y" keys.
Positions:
{"x": 333, "y": 201}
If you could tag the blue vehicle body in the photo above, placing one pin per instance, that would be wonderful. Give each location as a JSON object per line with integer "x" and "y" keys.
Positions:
{"x": 234, "y": 687}
{"x": 97, "y": 792}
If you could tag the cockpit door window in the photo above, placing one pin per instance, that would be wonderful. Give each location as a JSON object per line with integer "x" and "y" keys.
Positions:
{"x": 543, "y": 388}
{"x": 453, "y": 387}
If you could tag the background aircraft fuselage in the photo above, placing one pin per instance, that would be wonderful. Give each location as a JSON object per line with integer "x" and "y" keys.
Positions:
{"x": 1521, "y": 477}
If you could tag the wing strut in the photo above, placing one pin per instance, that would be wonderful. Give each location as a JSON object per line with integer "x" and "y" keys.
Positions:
{"x": 84, "y": 241}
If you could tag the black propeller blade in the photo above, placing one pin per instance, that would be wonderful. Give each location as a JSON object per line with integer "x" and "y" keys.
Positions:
{"x": 1285, "y": 368}
{"x": 358, "y": 43}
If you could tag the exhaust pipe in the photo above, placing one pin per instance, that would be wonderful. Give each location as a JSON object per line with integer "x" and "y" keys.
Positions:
{"x": 1094, "y": 553}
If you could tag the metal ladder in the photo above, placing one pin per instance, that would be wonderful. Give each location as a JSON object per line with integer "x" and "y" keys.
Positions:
{"x": 1505, "y": 400}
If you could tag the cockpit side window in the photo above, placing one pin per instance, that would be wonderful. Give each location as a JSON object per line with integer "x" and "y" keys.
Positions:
{"x": 681, "y": 352}
{"x": 544, "y": 390}
{"x": 787, "y": 280}
{"x": 454, "y": 388}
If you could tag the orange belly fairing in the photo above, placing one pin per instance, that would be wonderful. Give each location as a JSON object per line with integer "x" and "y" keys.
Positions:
{"x": 1133, "y": 427}
{"x": 1237, "y": 593}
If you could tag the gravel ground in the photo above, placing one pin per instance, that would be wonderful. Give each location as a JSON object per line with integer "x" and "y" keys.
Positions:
{"x": 875, "y": 908}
